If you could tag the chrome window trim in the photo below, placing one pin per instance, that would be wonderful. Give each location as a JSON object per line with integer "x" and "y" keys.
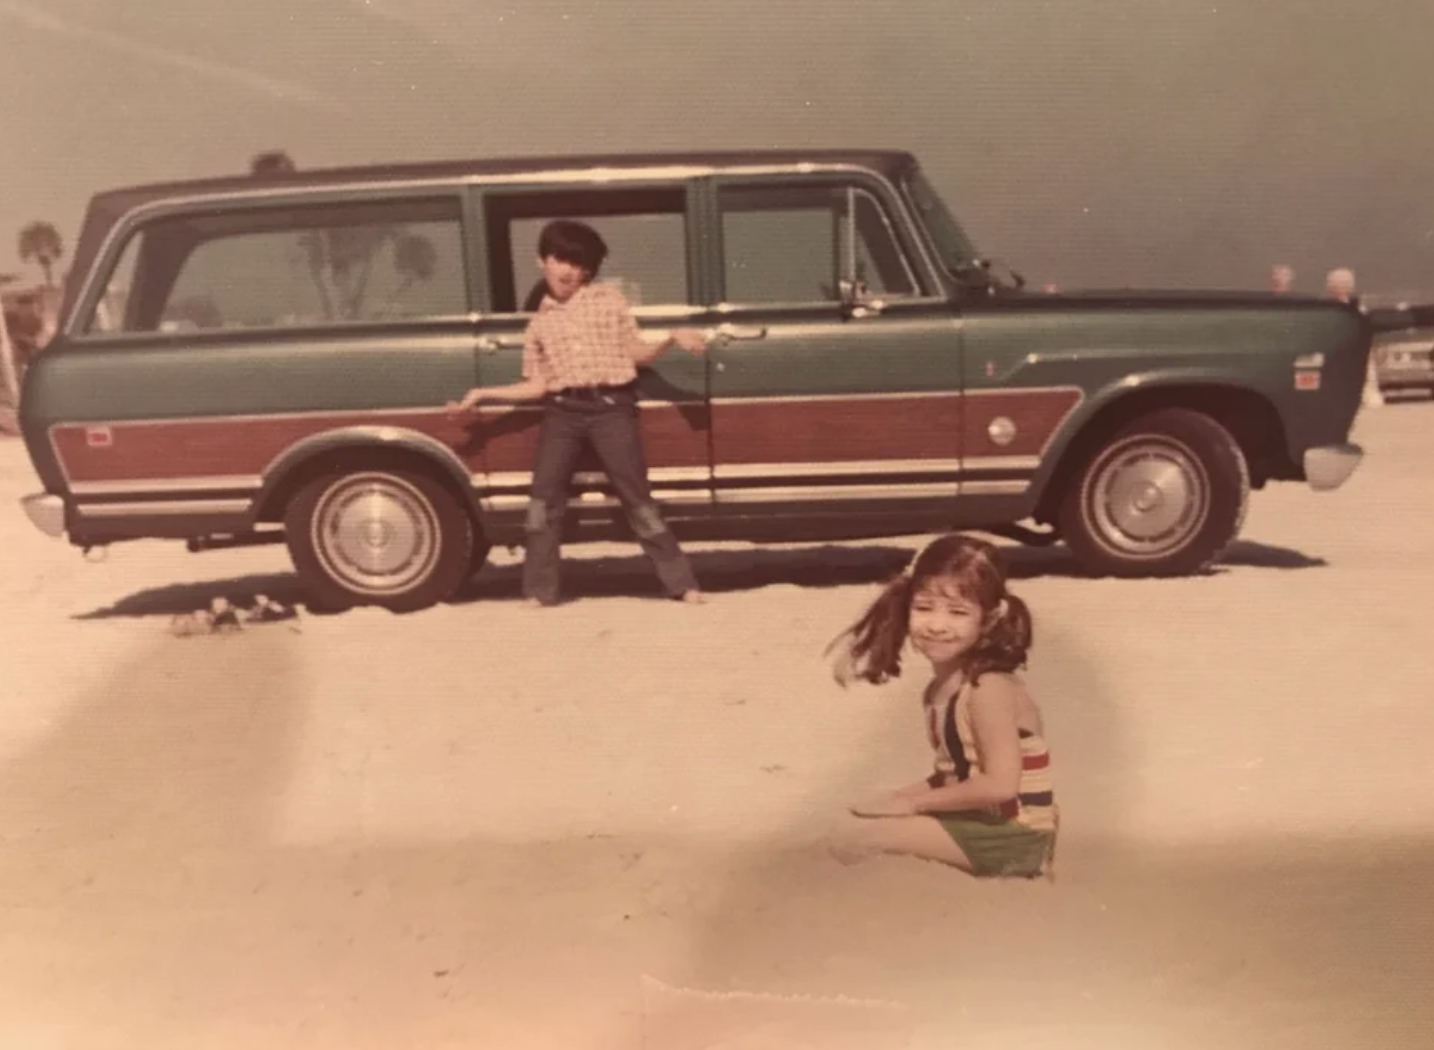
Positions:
{"x": 645, "y": 312}
{"x": 87, "y": 299}
{"x": 727, "y": 306}
{"x": 204, "y": 335}
{"x": 895, "y": 240}
{"x": 339, "y": 192}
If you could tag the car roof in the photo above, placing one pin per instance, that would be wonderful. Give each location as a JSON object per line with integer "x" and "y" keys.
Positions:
{"x": 887, "y": 161}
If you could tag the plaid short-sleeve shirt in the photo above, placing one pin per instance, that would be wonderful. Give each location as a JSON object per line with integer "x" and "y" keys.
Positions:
{"x": 586, "y": 341}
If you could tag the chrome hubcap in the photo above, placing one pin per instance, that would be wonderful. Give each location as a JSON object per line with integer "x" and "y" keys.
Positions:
{"x": 376, "y": 534}
{"x": 1148, "y": 497}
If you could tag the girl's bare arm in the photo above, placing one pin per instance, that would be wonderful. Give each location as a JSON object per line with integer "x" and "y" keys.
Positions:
{"x": 997, "y": 777}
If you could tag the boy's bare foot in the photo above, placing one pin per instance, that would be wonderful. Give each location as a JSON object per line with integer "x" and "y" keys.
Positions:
{"x": 532, "y": 603}
{"x": 694, "y": 597}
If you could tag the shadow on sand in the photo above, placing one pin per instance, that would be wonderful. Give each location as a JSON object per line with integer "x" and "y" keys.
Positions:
{"x": 151, "y": 901}
{"x": 721, "y": 571}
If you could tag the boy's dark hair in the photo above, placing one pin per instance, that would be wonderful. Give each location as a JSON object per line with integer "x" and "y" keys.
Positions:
{"x": 874, "y": 643}
{"x": 573, "y": 242}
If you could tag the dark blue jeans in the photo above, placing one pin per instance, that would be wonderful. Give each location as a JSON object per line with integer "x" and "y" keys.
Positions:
{"x": 610, "y": 423}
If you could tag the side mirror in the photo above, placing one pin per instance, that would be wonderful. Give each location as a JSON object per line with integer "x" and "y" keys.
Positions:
{"x": 857, "y": 301}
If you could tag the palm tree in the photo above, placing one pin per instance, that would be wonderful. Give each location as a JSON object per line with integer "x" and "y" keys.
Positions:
{"x": 350, "y": 256}
{"x": 41, "y": 242}
{"x": 9, "y": 371}
{"x": 278, "y": 162}
{"x": 415, "y": 259}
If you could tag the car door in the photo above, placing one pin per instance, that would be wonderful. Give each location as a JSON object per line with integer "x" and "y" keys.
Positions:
{"x": 645, "y": 225}
{"x": 835, "y": 376}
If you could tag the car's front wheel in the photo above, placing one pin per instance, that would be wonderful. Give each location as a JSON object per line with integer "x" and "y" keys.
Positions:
{"x": 392, "y": 537}
{"x": 1163, "y": 496}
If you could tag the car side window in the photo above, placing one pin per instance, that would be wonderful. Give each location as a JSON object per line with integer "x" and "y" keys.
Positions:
{"x": 790, "y": 243}
{"x": 113, "y": 306}
{"x": 290, "y": 267}
{"x": 645, "y": 230}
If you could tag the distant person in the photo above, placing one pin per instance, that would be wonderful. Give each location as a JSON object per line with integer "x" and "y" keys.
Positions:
{"x": 987, "y": 807}
{"x": 1282, "y": 278}
{"x": 580, "y": 358}
{"x": 1339, "y": 284}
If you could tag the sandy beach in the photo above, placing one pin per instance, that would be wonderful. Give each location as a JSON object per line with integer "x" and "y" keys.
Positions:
{"x": 599, "y": 826}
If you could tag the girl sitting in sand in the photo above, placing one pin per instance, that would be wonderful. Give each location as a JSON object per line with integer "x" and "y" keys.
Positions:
{"x": 988, "y": 807}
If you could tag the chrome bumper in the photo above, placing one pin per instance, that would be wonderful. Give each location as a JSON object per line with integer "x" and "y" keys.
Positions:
{"x": 1329, "y": 466}
{"x": 46, "y": 512}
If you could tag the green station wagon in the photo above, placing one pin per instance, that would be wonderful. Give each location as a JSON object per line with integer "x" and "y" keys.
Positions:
{"x": 266, "y": 359}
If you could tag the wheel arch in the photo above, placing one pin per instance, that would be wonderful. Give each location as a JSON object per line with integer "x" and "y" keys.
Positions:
{"x": 362, "y": 446}
{"x": 1250, "y": 417}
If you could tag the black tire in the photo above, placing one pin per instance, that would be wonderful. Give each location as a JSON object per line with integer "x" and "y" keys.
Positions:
{"x": 385, "y": 535}
{"x": 1162, "y": 496}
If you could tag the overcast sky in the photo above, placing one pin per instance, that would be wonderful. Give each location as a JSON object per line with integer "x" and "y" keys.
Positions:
{"x": 1089, "y": 142}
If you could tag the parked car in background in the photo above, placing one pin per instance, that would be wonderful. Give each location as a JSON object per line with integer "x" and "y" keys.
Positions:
{"x": 1403, "y": 358}
{"x": 265, "y": 359}
{"x": 1404, "y": 363}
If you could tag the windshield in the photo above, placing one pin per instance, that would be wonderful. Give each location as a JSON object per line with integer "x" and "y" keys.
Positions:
{"x": 956, "y": 253}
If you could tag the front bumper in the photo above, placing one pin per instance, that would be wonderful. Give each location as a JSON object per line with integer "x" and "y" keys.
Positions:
{"x": 1329, "y": 466}
{"x": 46, "y": 512}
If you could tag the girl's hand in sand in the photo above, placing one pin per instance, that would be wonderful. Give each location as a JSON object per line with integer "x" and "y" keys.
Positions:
{"x": 885, "y": 806}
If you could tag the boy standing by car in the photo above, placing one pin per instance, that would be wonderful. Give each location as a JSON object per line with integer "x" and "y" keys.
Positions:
{"x": 580, "y": 359}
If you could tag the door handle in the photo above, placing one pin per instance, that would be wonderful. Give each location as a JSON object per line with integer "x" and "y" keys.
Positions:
{"x": 727, "y": 333}
{"x": 489, "y": 344}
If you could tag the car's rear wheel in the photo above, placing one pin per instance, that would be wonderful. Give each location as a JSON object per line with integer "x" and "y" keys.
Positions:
{"x": 392, "y": 537}
{"x": 1163, "y": 496}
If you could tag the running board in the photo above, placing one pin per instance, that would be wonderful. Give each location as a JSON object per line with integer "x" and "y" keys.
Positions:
{"x": 195, "y": 544}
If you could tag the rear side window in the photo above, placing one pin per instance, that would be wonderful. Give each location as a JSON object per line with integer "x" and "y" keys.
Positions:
{"x": 289, "y": 267}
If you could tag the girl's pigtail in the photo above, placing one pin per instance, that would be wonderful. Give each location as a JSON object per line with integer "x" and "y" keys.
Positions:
{"x": 1007, "y": 640}
{"x": 1015, "y": 627}
{"x": 871, "y": 648}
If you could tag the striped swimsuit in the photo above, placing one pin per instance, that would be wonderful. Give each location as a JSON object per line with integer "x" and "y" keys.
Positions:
{"x": 948, "y": 729}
